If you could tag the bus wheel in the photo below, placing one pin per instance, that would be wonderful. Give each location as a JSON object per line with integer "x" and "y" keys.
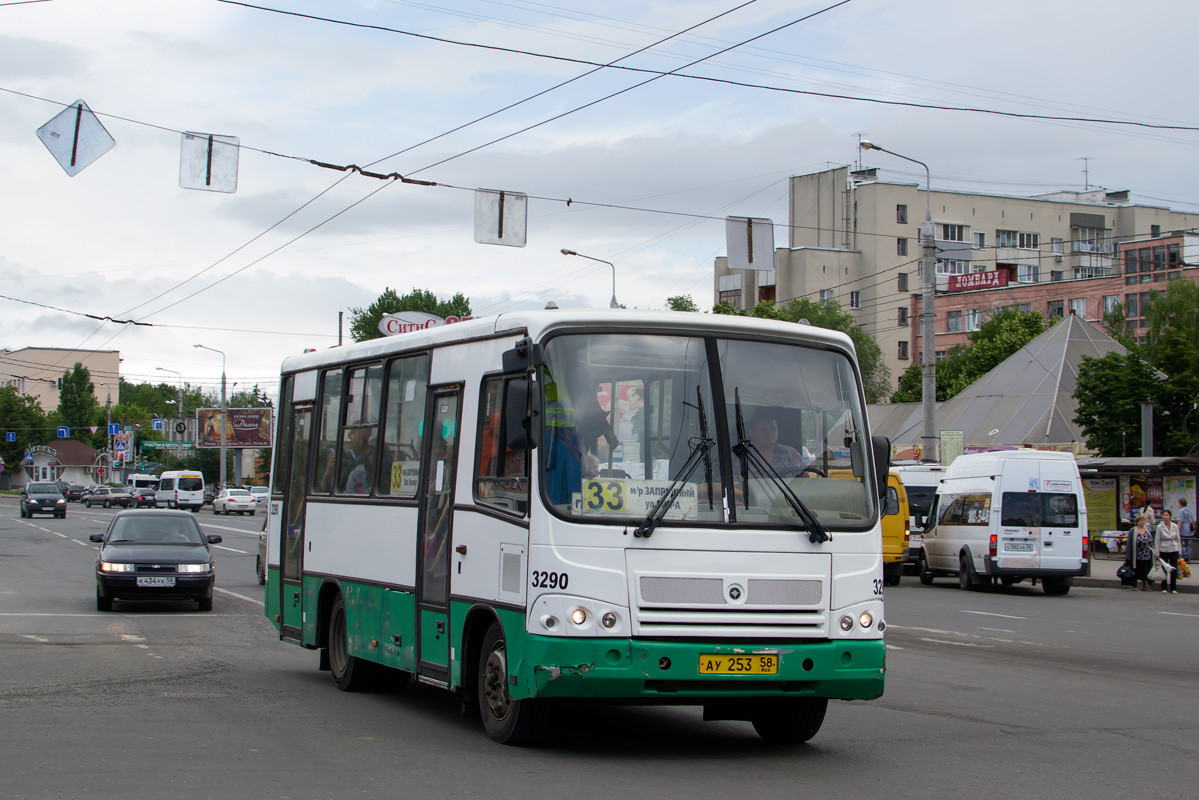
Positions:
{"x": 1055, "y": 586}
{"x": 965, "y": 578}
{"x": 506, "y": 721}
{"x": 350, "y": 673}
{"x": 926, "y": 574}
{"x": 791, "y": 720}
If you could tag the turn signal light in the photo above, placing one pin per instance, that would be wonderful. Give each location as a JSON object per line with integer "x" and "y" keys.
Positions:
{"x": 994, "y": 546}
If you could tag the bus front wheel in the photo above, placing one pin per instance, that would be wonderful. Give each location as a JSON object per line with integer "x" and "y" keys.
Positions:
{"x": 792, "y": 720}
{"x": 506, "y": 721}
{"x": 350, "y": 673}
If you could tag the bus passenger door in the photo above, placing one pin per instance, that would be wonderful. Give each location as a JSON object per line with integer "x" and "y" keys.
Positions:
{"x": 291, "y": 559}
{"x": 437, "y": 513}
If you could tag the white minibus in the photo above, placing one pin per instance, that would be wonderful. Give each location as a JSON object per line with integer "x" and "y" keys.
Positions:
{"x": 181, "y": 489}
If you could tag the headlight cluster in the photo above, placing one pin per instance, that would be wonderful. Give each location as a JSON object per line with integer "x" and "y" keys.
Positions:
{"x": 194, "y": 567}
{"x": 865, "y": 619}
{"x": 109, "y": 566}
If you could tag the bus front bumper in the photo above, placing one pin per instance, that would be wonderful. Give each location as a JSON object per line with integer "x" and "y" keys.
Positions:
{"x": 668, "y": 672}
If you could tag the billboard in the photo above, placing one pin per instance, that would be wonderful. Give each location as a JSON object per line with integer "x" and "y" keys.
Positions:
{"x": 245, "y": 427}
{"x": 978, "y": 280}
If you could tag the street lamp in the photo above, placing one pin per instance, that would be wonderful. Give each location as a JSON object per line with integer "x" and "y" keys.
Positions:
{"x": 108, "y": 426}
{"x": 613, "y": 304}
{"x": 928, "y": 395}
{"x": 164, "y": 369}
{"x": 224, "y": 410}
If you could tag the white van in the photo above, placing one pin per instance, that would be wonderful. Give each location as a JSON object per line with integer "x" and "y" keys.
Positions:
{"x": 181, "y": 489}
{"x": 921, "y": 482}
{"x": 1008, "y": 515}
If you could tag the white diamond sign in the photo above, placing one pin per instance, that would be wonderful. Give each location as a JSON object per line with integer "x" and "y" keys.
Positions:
{"x": 501, "y": 217}
{"x": 208, "y": 162}
{"x": 75, "y": 138}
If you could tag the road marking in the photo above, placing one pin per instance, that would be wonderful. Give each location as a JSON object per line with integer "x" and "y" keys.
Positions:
{"x": 35, "y": 638}
{"x": 238, "y": 596}
{"x": 992, "y": 614}
{"x": 129, "y": 637}
{"x": 231, "y": 549}
{"x": 85, "y": 544}
{"x": 60, "y": 535}
{"x": 893, "y": 647}
{"x": 996, "y": 630}
{"x": 1176, "y": 614}
{"x": 960, "y": 644}
{"x": 227, "y": 528}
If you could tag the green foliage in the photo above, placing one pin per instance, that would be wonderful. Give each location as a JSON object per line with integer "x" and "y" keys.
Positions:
{"x": 22, "y": 415}
{"x": 1175, "y": 315}
{"x": 994, "y": 341}
{"x": 364, "y": 322}
{"x": 681, "y": 302}
{"x": 77, "y": 406}
{"x": 1117, "y": 327}
{"x": 1109, "y": 392}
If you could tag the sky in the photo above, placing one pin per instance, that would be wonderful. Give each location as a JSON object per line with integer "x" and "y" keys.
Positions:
{"x": 262, "y": 273}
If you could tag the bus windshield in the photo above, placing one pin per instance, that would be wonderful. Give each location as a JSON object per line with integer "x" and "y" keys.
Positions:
{"x": 738, "y": 424}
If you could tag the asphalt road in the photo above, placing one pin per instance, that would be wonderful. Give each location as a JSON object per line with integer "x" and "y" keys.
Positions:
{"x": 993, "y": 694}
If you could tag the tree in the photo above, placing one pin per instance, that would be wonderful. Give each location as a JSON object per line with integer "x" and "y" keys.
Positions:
{"x": 22, "y": 415}
{"x": 681, "y": 302}
{"x": 1174, "y": 313}
{"x": 77, "y": 406}
{"x": 364, "y": 322}
{"x": 1109, "y": 392}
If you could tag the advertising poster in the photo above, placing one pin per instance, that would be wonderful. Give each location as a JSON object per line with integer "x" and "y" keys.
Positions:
{"x": 1102, "y": 498}
{"x": 1179, "y": 488}
{"x": 245, "y": 427}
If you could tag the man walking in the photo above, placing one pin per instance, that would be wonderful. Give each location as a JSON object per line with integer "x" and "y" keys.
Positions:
{"x": 1186, "y": 527}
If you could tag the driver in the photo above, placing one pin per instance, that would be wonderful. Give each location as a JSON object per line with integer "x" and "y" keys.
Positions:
{"x": 764, "y": 433}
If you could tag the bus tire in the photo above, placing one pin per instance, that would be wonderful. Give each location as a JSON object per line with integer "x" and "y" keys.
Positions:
{"x": 926, "y": 574}
{"x": 506, "y": 721}
{"x": 350, "y": 673}
{"x": 792, "y": 720}
{"x": 1055, "y": 586}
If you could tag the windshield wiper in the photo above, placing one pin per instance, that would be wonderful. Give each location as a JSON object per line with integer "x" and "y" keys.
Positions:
{"x": 701, "y": 448}
{"x": 748, "y": 454}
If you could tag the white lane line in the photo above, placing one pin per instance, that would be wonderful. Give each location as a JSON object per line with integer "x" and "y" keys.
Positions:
{"x": 238, "y": 596}
{"x": 1176, "y": 614}
{"x": 227, "y": 528}
{"x": 231, "y": 549}
{"x": 35, "y": 638}
{"x": 960, "y": 644}
{"x": 991, "y": 614}
{"x": 85, "y": 544}
{"x": 60, "y": 535}
{"x": 996, "y": 630}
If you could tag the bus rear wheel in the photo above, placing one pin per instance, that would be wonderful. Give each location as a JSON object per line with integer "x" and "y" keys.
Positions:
{"x": 792, "y": 720}
{"x": 350, "y": 673}
{"x": 506, "y": 721}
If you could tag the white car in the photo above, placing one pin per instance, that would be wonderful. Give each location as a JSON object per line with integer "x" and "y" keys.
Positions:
{"x": 261, "y": 495}
{"x": 230, "y": 501}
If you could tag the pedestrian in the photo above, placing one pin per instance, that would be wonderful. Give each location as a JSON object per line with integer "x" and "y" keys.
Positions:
{"x": 1140, "y": 552}
{"x": 1167, "y": 545}
{"x": 1186, "y": 527}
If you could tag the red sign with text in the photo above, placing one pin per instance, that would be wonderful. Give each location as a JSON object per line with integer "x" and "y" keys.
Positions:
{"x": 977, "y": 280}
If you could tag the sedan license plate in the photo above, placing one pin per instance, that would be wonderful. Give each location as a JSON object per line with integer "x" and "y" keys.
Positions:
{"x": 155, "y": 581}
{"x": 1017, "y": 547}
{"x": 712, "y": 664}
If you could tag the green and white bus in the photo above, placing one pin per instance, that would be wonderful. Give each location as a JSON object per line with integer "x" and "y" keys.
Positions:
{"x": 618, "y": 506}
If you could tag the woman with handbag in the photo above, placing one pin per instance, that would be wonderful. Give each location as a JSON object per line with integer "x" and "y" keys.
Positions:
{"x": 1141, "y": 551}
{"x": 1168, "y": 544}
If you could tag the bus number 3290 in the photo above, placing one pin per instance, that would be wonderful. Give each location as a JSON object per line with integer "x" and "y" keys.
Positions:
{"x": 550, "y": 580}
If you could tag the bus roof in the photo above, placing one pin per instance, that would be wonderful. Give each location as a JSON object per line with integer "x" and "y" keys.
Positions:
{"x": 535, "y": 324}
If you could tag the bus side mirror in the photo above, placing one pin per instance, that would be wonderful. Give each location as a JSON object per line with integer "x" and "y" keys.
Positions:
{"x": 882, "y": 462}
{"x": 523, "y": 356}
{"x": 522, "y": 415}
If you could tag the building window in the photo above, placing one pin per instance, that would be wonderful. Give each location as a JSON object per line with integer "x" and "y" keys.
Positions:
{"x": 1026, "y": 273}
{"x": 1155, "y": 231}
{"x": 1025, "y": 307}
{"x": 940, "y": 356}
{"x": 1130, "y": 261}
{"x": 903, "y": 316}
{"x": 903, "y": 282}
{"x": 1056, "y": 244}
{"x": 766, "y": 294}
{"x": 901, "y": 214}
{"x": 951, "y": 267}
{"x": 1029, "y": 241}
{"x": 903, "y": 350}
{"x": 1092, "y": 240}
{"x": 1144, "y": 307}
{"x": 1055, "y": 308}
{"x": 973, "y": 319}
{"x": 855, "y": 299}
{"x": 1055, "y": 274}
{"x": 1159, "y": 258}
{"x": 980, "y": 240}
{"x": 732, "y": 297}
{"x": 1173, "y": 256}
{"x": 826, "y": 295}
{"x": 953, "y": 233}
{"x": 1078, "y": 307}
{"x": 1006, "y": 238}
{"x": 901, "y": 247}
{"x": 954, "y": 321}
{"x": 1110, "y": 301}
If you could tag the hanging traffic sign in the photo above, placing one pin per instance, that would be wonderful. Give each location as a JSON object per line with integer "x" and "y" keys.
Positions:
{"x": 29, "y": 458}
{"x": 10, "y": 436}
{"x": 501, "y": 217}
{"x": 75, "y": 138}
{"x": 120, "y": 447}
{"x": 157, "y": 424}
{"x": 114, "y": 429}
{"x": 208, "y": 162}
{"x": 64, "y": 432}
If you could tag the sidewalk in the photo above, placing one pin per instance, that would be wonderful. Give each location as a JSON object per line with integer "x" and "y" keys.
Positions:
{"x": 1103, "y": 574}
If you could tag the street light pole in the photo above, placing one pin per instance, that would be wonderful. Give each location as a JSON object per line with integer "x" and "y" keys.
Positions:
{"x": 224, "y": 411}
{"x": 178, "y": 450}
{"x": 613, "y": 304}
{"x": 928, "y": 266}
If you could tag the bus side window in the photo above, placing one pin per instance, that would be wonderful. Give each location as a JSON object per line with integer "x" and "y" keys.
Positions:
{"x": 501, "y": 479}
{"x": 403, "y": 427}
{"x": 330, "y": 416}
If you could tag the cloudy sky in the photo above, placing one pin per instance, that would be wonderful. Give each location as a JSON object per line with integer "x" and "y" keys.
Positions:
{"x": 262, "y": 273}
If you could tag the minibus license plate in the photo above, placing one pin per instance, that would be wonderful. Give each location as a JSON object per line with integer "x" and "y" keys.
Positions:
{"x": 712, "y": 664}
{"x": 155, "y": 581}
{"x": 1017, "y": 547}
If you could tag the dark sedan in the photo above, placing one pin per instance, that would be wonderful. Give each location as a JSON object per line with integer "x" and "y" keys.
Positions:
{"x": 145, "y": 497}
{"x": 75, "y": 492}
{"x": 43, "y": 498}
{"x": 154, "y": 555}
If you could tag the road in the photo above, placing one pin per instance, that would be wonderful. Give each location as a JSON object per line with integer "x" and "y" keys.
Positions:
{"x": 990, "y": 694}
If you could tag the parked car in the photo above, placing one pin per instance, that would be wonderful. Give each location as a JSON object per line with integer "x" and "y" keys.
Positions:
{"x": 234, "y": 501}
{"x": 109, "y": 496}
{"x": 43, "y": 497}
{"x": 145, "y": 497}
{"x": 261, "y": 495}
{"x": 154, "y": 555}
{"x": 75, "y": 492}
{"x": 209, "y": 495}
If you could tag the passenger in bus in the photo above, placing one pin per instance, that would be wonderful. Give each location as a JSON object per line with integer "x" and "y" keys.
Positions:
{"x": 763, "y": 431}
{"x": 574, "y": 422}
{"x": 356, "y": 471}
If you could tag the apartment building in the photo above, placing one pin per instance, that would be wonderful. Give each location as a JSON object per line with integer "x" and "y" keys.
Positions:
{"x": 855, "y": 238}
{"x": 35, "y": 371}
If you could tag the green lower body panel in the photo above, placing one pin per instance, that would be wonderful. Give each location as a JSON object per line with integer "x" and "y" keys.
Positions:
{"x": 669, "y": 671}
{"x": 271, "y": 597}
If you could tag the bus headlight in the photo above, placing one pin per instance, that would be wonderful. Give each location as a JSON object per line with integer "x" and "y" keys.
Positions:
{"x": 578, "y": 616}
{"x": 608, "y": 620}
{"x": 866, "y": 620}
{"x": 846, "y": 623}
